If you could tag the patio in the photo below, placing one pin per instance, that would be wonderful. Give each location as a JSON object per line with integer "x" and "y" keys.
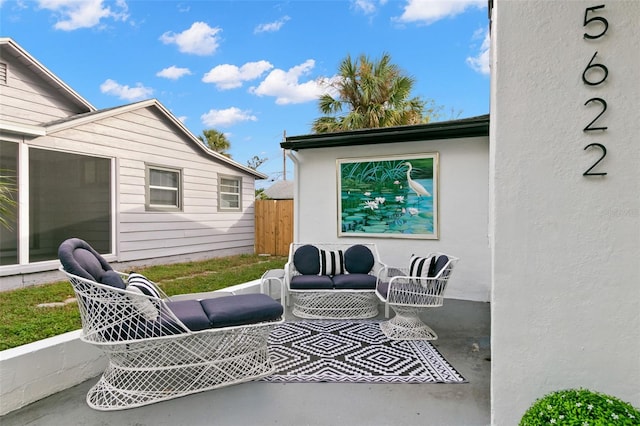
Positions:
{"x": 463, "y": 328}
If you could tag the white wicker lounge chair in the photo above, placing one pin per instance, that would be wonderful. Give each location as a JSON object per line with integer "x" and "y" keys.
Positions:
{"x": 160, "y": 348}
{"x": 410, "y": 290}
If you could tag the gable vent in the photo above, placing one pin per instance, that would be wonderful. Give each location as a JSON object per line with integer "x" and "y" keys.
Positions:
{"x": 3, "y": 73}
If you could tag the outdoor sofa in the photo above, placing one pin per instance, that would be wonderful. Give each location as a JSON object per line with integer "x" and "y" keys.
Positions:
{"x": 332, "y": 280}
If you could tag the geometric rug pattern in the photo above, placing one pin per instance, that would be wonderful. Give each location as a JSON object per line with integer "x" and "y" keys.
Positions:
{"x": 353, "y": 351}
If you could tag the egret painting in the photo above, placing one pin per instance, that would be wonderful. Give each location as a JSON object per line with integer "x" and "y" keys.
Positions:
{"x": 392, "y": 197}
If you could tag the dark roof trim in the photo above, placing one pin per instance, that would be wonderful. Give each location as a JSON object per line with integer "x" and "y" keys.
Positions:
{"x": 464, "y": 128}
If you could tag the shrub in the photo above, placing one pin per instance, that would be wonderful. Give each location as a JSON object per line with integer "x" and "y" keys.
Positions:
{"x": 580, "y": 407}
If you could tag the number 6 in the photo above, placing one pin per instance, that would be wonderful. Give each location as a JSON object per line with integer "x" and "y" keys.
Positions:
{"x": 590, "y": 67}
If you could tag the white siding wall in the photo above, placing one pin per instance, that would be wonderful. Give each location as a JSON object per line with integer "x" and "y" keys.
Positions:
{"x": 26, "y": 99}
{"x": 144, "y": 136}
{"x": 566, "y": 248}
{"x": 463, "y": 210}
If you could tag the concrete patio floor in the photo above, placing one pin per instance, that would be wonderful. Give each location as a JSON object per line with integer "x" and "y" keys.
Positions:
{"x": 463, "y": 328}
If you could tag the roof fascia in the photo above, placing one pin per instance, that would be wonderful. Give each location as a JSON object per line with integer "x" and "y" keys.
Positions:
{"x": 206, "y": 149}
{"x": 471, "y": 127}
{"x": 44, "y": 72}
{"x": 22, "y": 129}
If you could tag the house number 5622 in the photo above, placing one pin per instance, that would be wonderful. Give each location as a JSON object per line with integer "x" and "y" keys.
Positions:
{"x": 595, "y": 74}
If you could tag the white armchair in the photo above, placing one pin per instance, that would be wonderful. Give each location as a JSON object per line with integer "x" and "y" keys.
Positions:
{"x": 410, "y": 290}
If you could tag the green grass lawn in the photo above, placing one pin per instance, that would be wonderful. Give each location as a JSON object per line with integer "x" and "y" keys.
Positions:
{"x": 22, "y": 321}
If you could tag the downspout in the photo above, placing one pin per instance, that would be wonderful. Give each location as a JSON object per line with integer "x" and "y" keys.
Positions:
{"x": 296, "y": 193}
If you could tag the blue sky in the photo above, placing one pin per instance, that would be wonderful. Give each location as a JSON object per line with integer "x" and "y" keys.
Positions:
{"x": 252, "y": 69}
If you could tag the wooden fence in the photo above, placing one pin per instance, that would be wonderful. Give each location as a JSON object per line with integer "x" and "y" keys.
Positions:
{"x": 274, "y": 226}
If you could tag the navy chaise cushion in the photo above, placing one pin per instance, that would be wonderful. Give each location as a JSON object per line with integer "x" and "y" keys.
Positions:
{"x": 191, "y": 313}
{"x": 226, "y": 311}
{"x": 79, "y": 258}
{"x": 241, "y": 309}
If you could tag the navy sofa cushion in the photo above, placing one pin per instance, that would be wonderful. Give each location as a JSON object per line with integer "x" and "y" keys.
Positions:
{"x": 354, "y": 282}
{"x": 440, "y": 263}
{"x": 358, "y": 259}
{"x": 191, "y": 313}
{"x": 79, "y": 258}
{"x": 311, "y": 282}
{"x": 306, "y": 259}
{"x": 241, "y": 309}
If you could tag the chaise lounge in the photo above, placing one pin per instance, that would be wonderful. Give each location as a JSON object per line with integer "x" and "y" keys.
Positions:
{"x": 158, "y": 347}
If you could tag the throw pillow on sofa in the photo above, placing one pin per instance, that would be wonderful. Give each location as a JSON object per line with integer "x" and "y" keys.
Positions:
{"x": 331, "y": 262}
{"x": 358, "y": 259}
{"x": 306, "y": 260}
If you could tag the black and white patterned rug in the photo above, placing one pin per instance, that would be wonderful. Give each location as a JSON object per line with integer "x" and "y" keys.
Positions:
{"x": 353, "y": 351}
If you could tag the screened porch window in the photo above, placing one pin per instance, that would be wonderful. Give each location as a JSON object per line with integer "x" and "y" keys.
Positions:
{"x": 9, "y": 203}
{"x": 69, "y": 196}
{"x": 229, "y": 193}
{"x": 164, "y": 190}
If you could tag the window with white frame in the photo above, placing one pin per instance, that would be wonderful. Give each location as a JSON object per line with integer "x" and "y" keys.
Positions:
{"x": 229, "y": 193}
{"x": 164, "y": 188}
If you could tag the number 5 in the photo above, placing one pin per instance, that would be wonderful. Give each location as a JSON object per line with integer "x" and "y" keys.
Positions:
{"x": 600, "y": 19}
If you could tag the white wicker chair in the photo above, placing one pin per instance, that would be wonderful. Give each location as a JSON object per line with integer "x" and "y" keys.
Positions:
{"x": 408, "y": 295}
{"x": 151, "y": 360}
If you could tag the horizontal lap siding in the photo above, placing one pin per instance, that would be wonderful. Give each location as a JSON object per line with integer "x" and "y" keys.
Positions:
{"x": 144, "y": 136}
{"x": 26, "y": 99}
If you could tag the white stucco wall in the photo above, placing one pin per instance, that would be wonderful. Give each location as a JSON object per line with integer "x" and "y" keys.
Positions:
{"x": 565, "y": 248}
{"x": 463, "y": 207}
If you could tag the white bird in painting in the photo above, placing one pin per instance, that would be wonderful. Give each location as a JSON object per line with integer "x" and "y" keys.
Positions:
{"x": 417, "y": 188}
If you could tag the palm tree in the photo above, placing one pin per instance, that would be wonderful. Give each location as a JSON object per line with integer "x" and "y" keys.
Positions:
{"x": 370, "y": 94}
{"x": 216, "y": 140}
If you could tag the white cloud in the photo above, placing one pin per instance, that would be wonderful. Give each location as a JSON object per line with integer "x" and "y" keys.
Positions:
{"x": 365, "y": 6}
{"x": 286, "y": 88}
{"x": 200, "y": 39}
{"x": 173, "y": 72}
{"x": 228, "y": 76}
{"x": 226, "y": 117}
{"x": 480, "y": 62}
{"x": 271, "y": 27}
{"x": 111, "y": 87}
{"x": 75, "y": 14}
{"x": 430, "y": 11}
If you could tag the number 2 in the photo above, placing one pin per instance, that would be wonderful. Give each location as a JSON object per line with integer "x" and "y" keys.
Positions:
{"x": 604, "y": 154}
{"x": 602, "y": 102}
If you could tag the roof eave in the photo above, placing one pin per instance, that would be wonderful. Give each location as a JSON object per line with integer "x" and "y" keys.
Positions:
{"x": 22, "y": 129}
{"x": 470, "y": 127}
{"x": 44, "y": 72}
{"x": 98, "y": 115}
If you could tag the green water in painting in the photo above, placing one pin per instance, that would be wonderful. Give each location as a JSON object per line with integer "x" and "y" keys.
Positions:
{"x": 393, "y": 209}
